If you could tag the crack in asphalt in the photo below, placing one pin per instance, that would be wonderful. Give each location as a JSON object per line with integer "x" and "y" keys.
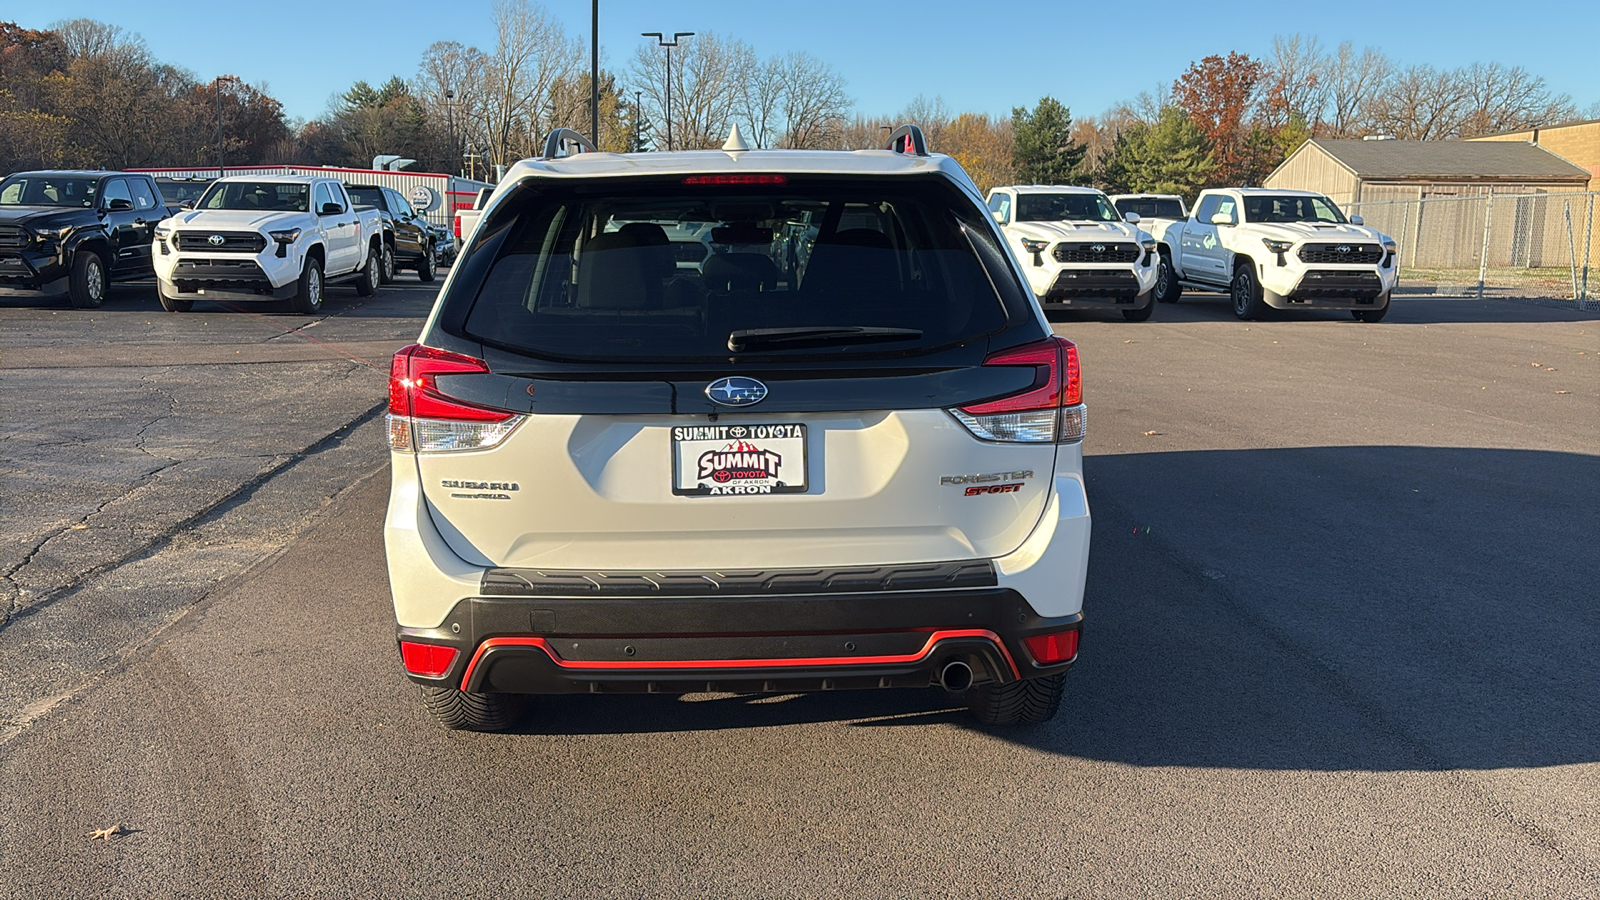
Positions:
{"x": 10, "y": 593}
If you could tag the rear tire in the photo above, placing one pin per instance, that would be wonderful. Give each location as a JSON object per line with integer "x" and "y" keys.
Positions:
{"x": 86, "y": 284}
{"x": 308, "y": 296}
{"x": 1168, "y": 290}
{"x": 460, "y": 710}
{"x": 172, "y": 304}
{"x": 371, "y": 275}
{"x": 427, "y": 269}
{"x": 1027, "y": 702}
{"x": 1247, "y": 302}
{"x": 1372, "y": 315}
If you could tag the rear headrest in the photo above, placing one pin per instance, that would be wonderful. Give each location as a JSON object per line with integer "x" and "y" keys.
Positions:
{"x": 739, "y": 272}
{"x": 624, "y": 269}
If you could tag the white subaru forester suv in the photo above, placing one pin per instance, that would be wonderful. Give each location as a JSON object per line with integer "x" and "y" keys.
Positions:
{"x": 623, "y": 462}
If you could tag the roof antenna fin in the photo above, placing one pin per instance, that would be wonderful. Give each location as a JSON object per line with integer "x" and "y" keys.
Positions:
{"x": 735, "y": 142}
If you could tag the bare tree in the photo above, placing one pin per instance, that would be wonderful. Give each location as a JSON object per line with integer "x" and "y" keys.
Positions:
{"x": 1501, "y": 98}
{"x": 1421, "y": 103}
{"x": 814, "y": 102}
{"x": 89, "y": 39}
{"x": 531, "y": 53}
{"x": 1295, "y": 83}
{"x": 932, "y": 116}
{"x": 450, "y": 84}
{"x": 864, "y": 132}
{"x": 708, "y": 88}
{"x": 763, "y": 98}
{"x": 1355, "y": 80}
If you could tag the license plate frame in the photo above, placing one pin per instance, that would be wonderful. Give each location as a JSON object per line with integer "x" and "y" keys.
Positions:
{"x": 777, "y": 451}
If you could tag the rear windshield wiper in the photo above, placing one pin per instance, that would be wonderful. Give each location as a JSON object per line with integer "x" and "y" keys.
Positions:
{"x": 816, "y": 336}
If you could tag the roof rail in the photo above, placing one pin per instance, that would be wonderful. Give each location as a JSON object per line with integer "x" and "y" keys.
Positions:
{"x": 556, "y": 144}
{"x": 908, "y": 139}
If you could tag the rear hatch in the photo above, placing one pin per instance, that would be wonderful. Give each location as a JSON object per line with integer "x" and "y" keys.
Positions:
{"x": 596, "y": 393}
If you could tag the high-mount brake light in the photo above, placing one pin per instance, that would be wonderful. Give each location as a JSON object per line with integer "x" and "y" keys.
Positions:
{"x": 1051, "y": 409}
{"x": 423, "y": 417}
{"x": 736, "y": 179}
{"x": 427, "y": 660}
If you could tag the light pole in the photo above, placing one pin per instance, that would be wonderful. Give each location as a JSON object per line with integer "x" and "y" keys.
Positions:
{"x": 450, "y": 126}
{"x": 221, "y": 172}
{"x": 594, "y": 76}
{"x": 638, "y": 111}
{"x": 662, "y": 41}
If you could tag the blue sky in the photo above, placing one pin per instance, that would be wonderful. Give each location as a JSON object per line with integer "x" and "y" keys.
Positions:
{"x": 982, "y": 56}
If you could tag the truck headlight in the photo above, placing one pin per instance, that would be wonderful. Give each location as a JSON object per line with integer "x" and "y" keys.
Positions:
{"x": 1277, "y": 246}
{"x": 284, "y": 238}
{"x": 1390, "y": 250}
{"x": 1149, "y": 252}
{"x": 51, "y": 235}
{"x": 1036, "y": 248}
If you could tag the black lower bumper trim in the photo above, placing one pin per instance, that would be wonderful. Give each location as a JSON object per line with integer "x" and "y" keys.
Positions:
{"x": 1329, "y": 284}
{"x": 793, "y": 642}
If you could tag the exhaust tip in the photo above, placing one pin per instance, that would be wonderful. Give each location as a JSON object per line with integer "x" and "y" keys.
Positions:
{"x": 955, "y": 677}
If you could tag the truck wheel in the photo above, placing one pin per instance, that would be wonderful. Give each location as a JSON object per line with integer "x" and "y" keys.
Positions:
{"x": 427, "y": 269}
{"x": 308, "y": 296}
{"x": 1141, "y": 314}
{"x": 371, "y": 275}
{"x": 172, "y": 304}
{"x": 1027, "y": 702}
{"x": 1372, "y": 315}
{"x": 1168, "y": 290}
{"x": 86, "y": 285}
{"x": 388, "y": 264}
{"x": 1247, "y": 302}
{"x": 464, "y": 710}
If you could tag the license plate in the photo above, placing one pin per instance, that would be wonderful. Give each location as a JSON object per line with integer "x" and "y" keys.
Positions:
{"x": 729, "y": 460}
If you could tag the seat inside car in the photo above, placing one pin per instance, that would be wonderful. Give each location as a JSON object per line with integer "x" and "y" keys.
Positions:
{"x": 625, "y": 269}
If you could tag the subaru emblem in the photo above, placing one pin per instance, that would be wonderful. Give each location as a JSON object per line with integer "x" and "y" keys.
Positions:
{"x": 1344, "y": 248}
{"x": 216, "y": 240}
{"x": 1098, "y": 248}
{"x": 736, "y": 390}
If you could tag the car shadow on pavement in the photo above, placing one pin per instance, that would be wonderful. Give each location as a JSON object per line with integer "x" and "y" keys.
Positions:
{"x": 1323, "y": 608}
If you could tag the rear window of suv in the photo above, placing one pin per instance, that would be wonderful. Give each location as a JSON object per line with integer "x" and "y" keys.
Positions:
{"x": 640, "y": 270}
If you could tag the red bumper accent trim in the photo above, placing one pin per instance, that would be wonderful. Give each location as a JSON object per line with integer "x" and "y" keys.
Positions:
{"x": 667, "y": 665}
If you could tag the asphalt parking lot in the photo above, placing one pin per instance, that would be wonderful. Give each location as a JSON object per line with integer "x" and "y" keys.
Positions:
{"x": 1340, "y": 639}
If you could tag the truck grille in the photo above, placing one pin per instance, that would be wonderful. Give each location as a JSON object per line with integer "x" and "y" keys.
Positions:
{"x": 12, "y": 238}
{"x": 1096, "y": 252}
{"x": 1352, "y": 254}
{"x": 232, "y": 241}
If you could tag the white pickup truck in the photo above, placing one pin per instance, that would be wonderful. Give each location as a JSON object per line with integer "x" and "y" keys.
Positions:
{"x": 1077, "y": 251}
{"x": 268, "y": 237}
{"x": 1277, "y": 249}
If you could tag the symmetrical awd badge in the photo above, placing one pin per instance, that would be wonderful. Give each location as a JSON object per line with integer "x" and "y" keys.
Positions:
{"x": 736, "y": 390}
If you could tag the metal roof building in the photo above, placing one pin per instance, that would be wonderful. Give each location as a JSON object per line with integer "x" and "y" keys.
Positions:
{"x": 1352, "y": 171}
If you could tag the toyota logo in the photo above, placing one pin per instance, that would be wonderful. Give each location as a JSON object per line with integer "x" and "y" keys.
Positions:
{"x": 1344, "y": 248}
{"x": 736, "y": 390}
{"x": 216, "y": 240}
{"x": 1098, "y": 248}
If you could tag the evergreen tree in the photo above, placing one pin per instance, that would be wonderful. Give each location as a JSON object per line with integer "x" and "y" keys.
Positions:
{"x": 1168, "y": 156}
{"x": 1042, "y": 149}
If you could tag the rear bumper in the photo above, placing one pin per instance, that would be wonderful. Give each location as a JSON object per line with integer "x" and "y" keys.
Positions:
{"x": 799, "y": 642}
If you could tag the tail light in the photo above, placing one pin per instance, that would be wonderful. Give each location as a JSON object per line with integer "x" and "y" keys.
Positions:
{"x": 458, "y": 226}
{"x": 427, "y": 660}
{"x": 1050, "y": 410}
{"x": 1049, "y": 649}
{"x": 422, "y": 417}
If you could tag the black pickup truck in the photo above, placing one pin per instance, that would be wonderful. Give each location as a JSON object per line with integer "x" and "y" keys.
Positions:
{"x": 76, "y": 232}
{"x": 408, "y": 240}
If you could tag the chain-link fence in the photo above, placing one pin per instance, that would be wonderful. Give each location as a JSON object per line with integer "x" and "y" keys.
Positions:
{"x": 1506, "y": 245}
